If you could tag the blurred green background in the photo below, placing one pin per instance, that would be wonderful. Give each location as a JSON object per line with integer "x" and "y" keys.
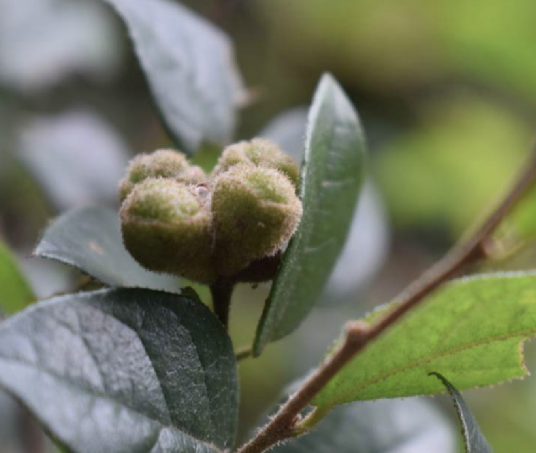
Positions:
{"x": 447, "y": 95}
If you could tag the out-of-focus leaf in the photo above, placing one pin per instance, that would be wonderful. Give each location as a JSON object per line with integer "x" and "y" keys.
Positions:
{"x": 288, "y": 131}
{"x": 474, "y": 440}
{"x": 332, "y": 173}
{"x": 90, "y": 240}
{"x": 77, "y": 158}
{"x": 15, "y": 292}
{"x": 190, "y": 67}
{"x": 365, "y": 249}
{"x": 395, "y": 426}
{"x": 124, "y": 370}
{"x": 463, "y": 155}
{"x": 471, "y": 329}
{"x": 43, "y": 41}
{"x": 426, "y": 42}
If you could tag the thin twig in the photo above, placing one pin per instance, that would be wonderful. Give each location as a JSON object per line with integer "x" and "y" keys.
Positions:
{"x": 286, "y": 423}
{"x": 243, "y": 353}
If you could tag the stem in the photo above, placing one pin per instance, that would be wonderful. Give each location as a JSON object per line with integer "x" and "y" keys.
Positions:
{"x": 286, "y": 423}
{"x": 33, "y": 439}
{"x": 243, "y": 353}
{"x": 221, "y": 300}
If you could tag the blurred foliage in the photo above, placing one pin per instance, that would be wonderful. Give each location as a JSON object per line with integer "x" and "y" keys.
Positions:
{"x": 447, "y": 91}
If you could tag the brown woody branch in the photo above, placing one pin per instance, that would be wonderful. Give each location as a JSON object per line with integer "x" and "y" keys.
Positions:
{"x": 286, "y": 423}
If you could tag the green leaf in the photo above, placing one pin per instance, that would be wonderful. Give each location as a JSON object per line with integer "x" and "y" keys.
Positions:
{"x": 395, "y": 426}
{"x": 474, "y": 440}
{"x": 190, "y": 68}
{"x": 90, "y": 240}
{"x": 124, "y": 370}
{"x": 332, "y": 173}
{"x": 470, "y": 329}
{"x": 15, "y": 292}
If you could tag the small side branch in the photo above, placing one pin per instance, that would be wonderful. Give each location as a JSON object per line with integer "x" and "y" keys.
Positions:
{"x": 286, "y": 422}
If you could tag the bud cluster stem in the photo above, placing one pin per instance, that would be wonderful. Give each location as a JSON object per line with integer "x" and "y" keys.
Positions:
{"x": 222, "y": 291}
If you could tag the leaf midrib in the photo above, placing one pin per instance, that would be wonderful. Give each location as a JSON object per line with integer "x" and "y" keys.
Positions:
{"x": 401, "y": 369}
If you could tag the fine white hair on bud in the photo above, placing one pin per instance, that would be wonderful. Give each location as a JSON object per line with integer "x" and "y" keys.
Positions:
{"x": 255, "y": 212}
{"x": 233, "y": 224}
{"x": 166, "y": 227}
{"x": 164, "y": 163}
{"x": 258, "y": 152}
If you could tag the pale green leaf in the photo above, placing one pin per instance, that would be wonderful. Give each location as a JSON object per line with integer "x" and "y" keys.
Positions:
{"x": 470, "y": 330}
{"x": 331, "y": 179}
{"x": 15, "y": 292}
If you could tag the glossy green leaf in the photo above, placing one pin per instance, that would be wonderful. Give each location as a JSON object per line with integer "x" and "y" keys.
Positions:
{"x": 90, "y": 240}
{"x": 15, "y": 292}
{"x": 474, "y": 440}
{"x": 395, "y": 426}
{"x": 470, "y": 330}
{"x": 190, "y": 68}
{"x": 332, "y": 174}
{"x": 124, "y": 370}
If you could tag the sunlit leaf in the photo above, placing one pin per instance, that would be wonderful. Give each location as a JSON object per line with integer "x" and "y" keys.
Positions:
{"x": 470, "y": 330}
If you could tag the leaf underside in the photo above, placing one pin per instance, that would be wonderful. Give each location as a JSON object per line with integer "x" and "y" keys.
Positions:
{"x": 122, "y": 371}
{"x": 471, "y": 330}
{"x": 331, "y": 179}
{"x": 89, "y": 239}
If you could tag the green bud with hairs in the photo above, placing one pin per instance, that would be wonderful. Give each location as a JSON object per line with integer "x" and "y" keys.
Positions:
{"x": 167, "y": 227}
{"x": 164, "y": 163}
{"x": 255, "y": 212}
{"x": 261, "y": 153}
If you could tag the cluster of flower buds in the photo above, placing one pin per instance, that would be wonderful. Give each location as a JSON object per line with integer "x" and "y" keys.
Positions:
{"x": 178, "y": 220}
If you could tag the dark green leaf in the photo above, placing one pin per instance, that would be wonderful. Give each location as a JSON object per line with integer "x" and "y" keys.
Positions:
{"x": 123, "y": 371}
{"x": 90, "y": 240}
{"x": 388, "y": 426}
{"x": 190, "y": 67}
{"x": 366, "y": 246}
{"x": 15, "y": 292}
{"x": 332, "y": 173}
{"x": 474, "y": 440}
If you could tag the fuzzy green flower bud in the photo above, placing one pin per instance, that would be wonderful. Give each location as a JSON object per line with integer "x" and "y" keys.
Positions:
{"x": 258, "y": 152}
{"x": 166, "y": 227}
{"x": 255, "y": 212}
{"x": 164, "y": 163}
